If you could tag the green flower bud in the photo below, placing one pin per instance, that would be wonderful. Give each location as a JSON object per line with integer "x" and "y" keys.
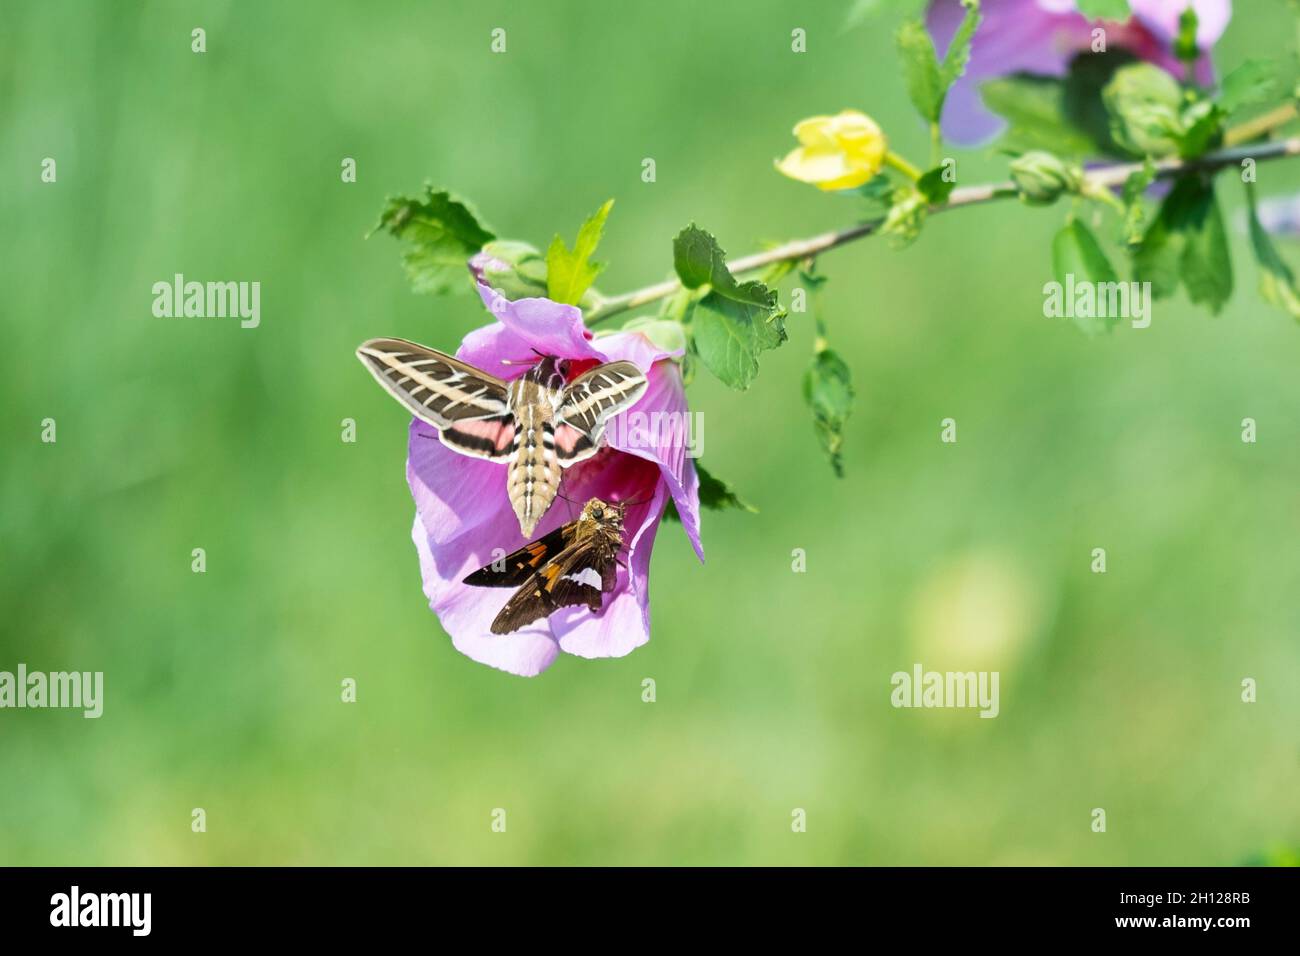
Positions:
{"x": 515, "y": 269}
{"x": 1042, "y": 177}
{"x": 1145, "y": 106}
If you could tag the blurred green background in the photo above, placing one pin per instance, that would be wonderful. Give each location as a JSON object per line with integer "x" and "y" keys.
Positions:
{"x": 1119, "y": 691}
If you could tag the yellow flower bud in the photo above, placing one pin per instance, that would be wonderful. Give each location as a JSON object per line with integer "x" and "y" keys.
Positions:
{"x": 837, "y": 152}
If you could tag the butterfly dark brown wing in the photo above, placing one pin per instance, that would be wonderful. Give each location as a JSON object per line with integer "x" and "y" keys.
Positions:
{"x": 550, "y": 589}
{"x": 516, "y": 568}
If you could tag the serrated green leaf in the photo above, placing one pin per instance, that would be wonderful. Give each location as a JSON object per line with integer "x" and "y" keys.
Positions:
{"x": 1276, "y": 280}
{"x": 728, "y": 336}
{"x": 700, "y": 261}
{"x": 920, "y": 69}
{"x": 1076, "y": 252}
{"x": 734, "y": 321}
{"x": 828, "y": 390}
{"x": 927, "y": 77}
{"x": 958, "y": 53}
{"x": 1187, "y": 244}
{"x": 441, "y": 231}
{"x": 570, "y": 272}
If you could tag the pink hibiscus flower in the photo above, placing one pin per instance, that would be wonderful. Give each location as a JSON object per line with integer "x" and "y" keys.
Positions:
{"x": 464, "y": 519}
{"x": 1042, "y": 36}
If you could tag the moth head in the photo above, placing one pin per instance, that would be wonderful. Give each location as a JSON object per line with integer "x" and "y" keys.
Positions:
{"x": 551, "y": 371}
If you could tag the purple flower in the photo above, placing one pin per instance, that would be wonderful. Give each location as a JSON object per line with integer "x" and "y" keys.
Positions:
{"x": 1042, "y": 36}
{"x": 463, "y": 514}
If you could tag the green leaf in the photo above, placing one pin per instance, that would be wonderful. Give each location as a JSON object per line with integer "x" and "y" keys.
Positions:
{"x": 718, "y": 494}
{"x": 1203, "y": 128}
{"x": 1116, "y": 10}
{"x": 935, "y": 187}
{"x": 441, "y": 231}
{"x": 1034, "y": 108}
{"x": 1276, "y": 280}
{"x": 729, "y": 335}
{"x": 734, "y": 321}
{"x": 1187, "y": 244}
{"x": 1251, "y": 83}
{"x": 570, "y": 273}
{"x": 1075, "y": 251}
{"x": 879, "y": 194}
{"x": 958, "y": 55}
{"x": 828, "y": 390}
{"x": 1065, "y": 115}
{"x": 926, "y": 77}
{"x": 920, "y": 69}
{"x": 700, "y": 261}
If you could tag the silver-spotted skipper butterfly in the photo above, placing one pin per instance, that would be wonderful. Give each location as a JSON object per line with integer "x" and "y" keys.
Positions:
{"x": 548, "y": 571}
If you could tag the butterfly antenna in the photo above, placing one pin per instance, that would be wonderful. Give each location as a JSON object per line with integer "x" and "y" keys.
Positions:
{"x": 569, "y": 501}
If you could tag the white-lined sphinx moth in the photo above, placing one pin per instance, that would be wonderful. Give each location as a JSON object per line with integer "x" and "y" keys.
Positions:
{"x": 538, "y": 424}
{"x": 548, "y": 572}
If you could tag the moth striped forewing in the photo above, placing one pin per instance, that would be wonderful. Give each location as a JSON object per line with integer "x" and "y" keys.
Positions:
{"x": 539, "y": 423}
{"x": 548, "y": 572}
{"x": 469, "y": 407}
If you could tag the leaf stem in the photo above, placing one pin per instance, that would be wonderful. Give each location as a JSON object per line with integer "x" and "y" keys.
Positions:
{"x": 1096, "y": 179}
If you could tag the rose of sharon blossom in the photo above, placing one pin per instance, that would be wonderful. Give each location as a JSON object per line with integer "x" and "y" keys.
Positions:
{"x": 1042, "y": 36}
{"x": 464, "y": 519}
